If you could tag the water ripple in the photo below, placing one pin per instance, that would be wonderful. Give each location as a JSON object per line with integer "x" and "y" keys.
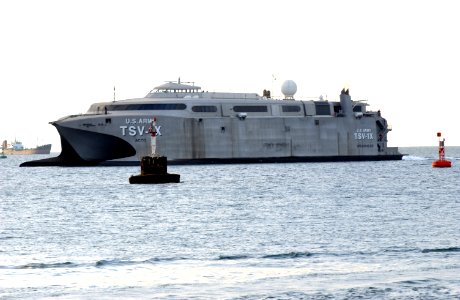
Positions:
{"x": 448, "y": 249}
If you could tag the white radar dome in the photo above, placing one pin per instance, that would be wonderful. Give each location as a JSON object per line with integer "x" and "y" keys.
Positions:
{"x": 289, "y": 88}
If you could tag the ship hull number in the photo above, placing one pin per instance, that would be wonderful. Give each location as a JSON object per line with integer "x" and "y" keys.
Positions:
{"x": 138, "y": 129}
{"x": 364, "y": 134}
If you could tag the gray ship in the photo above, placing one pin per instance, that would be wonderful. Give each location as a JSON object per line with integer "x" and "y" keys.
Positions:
{"x": 194, "y": 126}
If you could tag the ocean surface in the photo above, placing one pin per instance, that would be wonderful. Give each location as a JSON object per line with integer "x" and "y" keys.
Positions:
{"x": 366, "y": 230}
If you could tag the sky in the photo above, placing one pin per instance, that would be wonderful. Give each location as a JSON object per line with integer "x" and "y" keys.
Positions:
{"x": 58, "y": 57}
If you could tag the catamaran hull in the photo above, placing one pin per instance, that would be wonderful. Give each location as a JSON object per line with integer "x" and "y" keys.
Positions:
{"x": 221, "y": 141}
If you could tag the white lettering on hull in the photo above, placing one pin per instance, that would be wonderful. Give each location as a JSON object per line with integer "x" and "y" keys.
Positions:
{"x": 133, "y": 121}
{"x": 138, "y": 130}
{"x": 364, "y": 134}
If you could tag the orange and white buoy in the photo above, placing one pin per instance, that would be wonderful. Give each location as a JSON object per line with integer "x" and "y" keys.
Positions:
{"x": 442, "y": 162}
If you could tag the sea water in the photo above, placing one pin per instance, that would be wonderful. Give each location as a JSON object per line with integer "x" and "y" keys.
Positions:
{"x": 368, "y": 230}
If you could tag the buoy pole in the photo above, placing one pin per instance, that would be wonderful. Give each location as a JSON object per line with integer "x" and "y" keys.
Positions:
{"x": 153, "y": 134}
{"x": 441, "y": 147}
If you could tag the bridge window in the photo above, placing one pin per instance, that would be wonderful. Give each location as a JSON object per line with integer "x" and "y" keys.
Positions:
{"x": 250, "y": 108}
{"x": 323, "y": 108}
{"x": 290, "y": 108}
{"x": 204, "y": 108}
{"x": 148, "y": 106}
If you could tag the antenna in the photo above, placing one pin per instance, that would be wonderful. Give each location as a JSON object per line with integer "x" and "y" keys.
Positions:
{"x": 113, "y": 93}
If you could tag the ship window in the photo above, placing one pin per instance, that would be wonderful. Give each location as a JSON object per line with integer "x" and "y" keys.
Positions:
{"x": 322, "y": 108}
{"x": 148, "y": 106}
{"x": 358, "y": 108}
{"x": 291, "y": 108}
{"x": 204, "y": 108}
{"x": 250, "y": 108}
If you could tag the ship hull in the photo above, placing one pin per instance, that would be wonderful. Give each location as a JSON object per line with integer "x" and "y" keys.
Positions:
{"x": 222, "y": 141}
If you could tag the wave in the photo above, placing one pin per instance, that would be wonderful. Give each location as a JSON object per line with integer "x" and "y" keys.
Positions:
{"x": 116, "y": 262}
{"x": 304, "y": 254}
{"x": 401, "y": 250}
{"x": 233, "y": 257}
{"x": 413, "y": 157}
{"x": 161, "y": 259}
{"x": 99, "y": 263}
{"x": 275, "y": 256}
{"x": 119, "y": 262}
{"x": 288, "y": 255}
{"x": 425, "y": 158}
{"x": 66, "y": 264}
{"x": 449, "y": 249}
